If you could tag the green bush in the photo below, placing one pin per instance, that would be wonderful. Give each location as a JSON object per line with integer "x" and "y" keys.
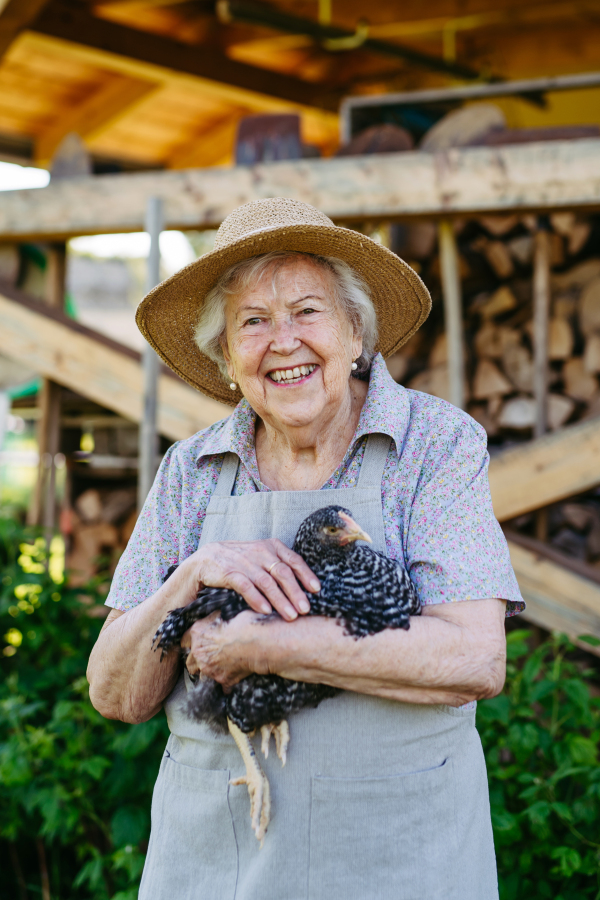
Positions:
{"x": 74, "y": 788}
{"x": 540, "y": 739}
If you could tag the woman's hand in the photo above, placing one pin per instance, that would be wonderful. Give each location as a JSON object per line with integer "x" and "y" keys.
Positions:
{"x": 265, "y": 573}
{"x": 227, "y": 651}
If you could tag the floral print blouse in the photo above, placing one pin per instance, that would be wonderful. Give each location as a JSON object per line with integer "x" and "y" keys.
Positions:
{"x": 435, "y": 495}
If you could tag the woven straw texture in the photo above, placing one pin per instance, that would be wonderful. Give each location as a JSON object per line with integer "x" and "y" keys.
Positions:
{"x": 168, "y": 315}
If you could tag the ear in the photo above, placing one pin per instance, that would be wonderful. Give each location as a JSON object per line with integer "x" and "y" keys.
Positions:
{"x": 225, "y": 349}
{"x": 357, "y": 345}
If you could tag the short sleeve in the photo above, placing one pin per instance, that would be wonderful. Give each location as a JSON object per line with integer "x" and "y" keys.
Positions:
{"x": 155, "y": 542}
{"x": 456, "y": 549}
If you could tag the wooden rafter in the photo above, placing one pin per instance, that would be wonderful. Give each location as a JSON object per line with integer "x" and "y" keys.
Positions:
{"x": 97, "y": 367}
{"x": 117, "y": 95}
{"x": 474, "y": 180}
{"x": 79, "y": 27}
{"x": 14, "y": 17}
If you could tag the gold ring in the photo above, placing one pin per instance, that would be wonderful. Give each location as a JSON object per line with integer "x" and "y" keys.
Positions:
{"x": 269, "y": 570}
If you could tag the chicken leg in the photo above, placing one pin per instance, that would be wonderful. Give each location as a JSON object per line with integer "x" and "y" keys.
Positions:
{"x": 282, "y": 739}
{"x": 256, "y": 782}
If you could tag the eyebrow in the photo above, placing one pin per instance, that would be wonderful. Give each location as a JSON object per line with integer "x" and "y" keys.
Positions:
{"x": 245, "y": 309}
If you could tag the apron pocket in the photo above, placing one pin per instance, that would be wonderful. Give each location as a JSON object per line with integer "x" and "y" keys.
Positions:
{"x": 192, "y": 853}
{"x": 383, "y": 838}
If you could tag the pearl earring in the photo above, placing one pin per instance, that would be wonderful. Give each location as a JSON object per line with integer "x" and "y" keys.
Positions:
{"x": 354, "y": 366}
{"x": 233, "y": 386}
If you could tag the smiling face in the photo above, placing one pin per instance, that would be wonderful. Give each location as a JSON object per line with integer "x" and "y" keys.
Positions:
{"x": 290, "y": 346}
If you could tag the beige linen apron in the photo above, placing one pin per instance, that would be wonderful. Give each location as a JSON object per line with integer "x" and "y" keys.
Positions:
{"x": 378, "y": 800}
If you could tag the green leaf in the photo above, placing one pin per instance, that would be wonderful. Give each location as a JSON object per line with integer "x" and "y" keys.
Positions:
{"x": 589, "y": 639}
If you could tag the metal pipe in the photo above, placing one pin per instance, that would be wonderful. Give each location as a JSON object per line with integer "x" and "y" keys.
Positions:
{"x": 148, "y": 436}
{"x": 269, "y": 17}
{"x": 451, "y": 288}
{"x": 541, "y": 315}
{"x": 529, "y": 88}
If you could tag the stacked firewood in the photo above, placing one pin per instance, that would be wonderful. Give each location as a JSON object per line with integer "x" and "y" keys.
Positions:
{"x": 97, "y": 529}
{"x": 496, "y": 262}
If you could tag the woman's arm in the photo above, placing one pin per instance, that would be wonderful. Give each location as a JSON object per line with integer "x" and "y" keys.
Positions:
{"x": 128, "y": 681}
{"x": 453, "y": 653}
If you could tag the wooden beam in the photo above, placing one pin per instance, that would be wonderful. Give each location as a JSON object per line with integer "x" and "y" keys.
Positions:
{"x": 528, "y": 177}
{"x": 546, "y": 470}
{"x": 208, "y": 62}
{"x": 117, "y": 95}
{"x": 15, "y": 16}
{"x": 211, "y": 147}
{"x": 557, "y": 599}
{"x": 97, "y": 367}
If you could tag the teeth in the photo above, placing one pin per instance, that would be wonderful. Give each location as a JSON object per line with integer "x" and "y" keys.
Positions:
{"x": 290, "y": 375}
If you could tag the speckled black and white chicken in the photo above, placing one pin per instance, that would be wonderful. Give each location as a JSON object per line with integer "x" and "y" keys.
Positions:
{"x": 364, "y": 590}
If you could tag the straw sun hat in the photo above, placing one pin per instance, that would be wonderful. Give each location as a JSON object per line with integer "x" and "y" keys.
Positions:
{"x": 168, "y": 315}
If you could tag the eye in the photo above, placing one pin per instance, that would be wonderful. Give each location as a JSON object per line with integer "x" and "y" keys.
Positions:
{"x": 331, "y": 529}
{"x": 307, "y": 311}
{"x": 253, "y": 321}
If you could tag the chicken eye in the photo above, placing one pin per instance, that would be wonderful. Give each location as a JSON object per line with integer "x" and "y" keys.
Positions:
{"x": 331, "y": 529}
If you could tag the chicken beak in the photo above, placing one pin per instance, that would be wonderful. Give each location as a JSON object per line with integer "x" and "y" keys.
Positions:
{"x": 353, "y": 531}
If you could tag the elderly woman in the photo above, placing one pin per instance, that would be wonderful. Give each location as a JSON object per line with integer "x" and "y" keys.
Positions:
{"x": 384, "y": 794}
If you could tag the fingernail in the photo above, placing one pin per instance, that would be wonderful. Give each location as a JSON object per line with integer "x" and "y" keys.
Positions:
{"x": 304, "y": 606}
{"x": 314, "y": 585}
{"x": 291, "y": 613}
{"x": 265, "y": 608}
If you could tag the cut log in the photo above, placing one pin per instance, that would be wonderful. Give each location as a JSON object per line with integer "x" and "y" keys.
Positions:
{"x": 481, "y": 414}
{"x": 518, "y": 413}
{"x": 89, "y": 506}
{"x": 432, "y": 381}
{"x": 560, "y": 339}
{"x": 488, "y": 343}
{"x": 589, "y": 307}
{"x": 518, "y": 365}
{"x": 546, "y": 470}
{"x": 573, "y": 229}
{"x": 591, "y": 357}
{"x": 439, "y": 351}
{"x": 499, "y": 225}
{"x": 489, "y": 381}
{"x": 497, "y": 256}
{"x": 521, "y": 249}
{"x": 579, "y": 237}
{"x": 9, "y": 263}
{"x": 579, "y": 384}
{"x": 462, "y": 126}
{"x": 503, "y": 300}
{"x": 559, "y": 410}
{"x": 89, "y": 542}
{"x": 397, "y": 366}
{"x": 557, "y": 250}
{"x": 577, "y": 277}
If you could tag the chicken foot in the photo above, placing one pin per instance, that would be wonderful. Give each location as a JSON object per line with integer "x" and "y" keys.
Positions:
{"x": 282, "y": 739}
{"x": 256, "y": 782}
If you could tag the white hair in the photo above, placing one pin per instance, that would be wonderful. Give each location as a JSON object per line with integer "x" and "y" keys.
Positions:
{"x": 350, "y": 291}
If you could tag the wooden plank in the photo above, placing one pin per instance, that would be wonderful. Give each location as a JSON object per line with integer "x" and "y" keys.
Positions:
{"x": 14, "y": 17}
{"x": 99, "y": 111}
{"x": 473, "y": 180}
{"x": 72, "y": 356}
{"x": 546, "y": 470}
{"x": 206, "y": 61}
{"x": 557, "y": 599}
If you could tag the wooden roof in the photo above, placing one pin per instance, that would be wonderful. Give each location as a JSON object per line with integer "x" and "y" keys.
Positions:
{"x": 163, "y": 83}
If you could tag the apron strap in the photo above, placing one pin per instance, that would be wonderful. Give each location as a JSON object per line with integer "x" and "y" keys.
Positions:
{"x": 374, "y": 459}
{"x": 227, "y": 475}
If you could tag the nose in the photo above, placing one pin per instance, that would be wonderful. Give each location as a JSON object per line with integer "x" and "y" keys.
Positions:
{"x": 283, "y": 337}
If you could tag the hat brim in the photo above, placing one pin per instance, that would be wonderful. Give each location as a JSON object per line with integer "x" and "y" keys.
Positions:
{"x": 168, "y": 315}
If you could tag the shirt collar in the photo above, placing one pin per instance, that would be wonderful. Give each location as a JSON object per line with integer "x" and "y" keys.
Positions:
{"x": 386, "y": 410}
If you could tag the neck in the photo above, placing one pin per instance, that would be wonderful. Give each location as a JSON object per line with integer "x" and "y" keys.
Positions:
{"x": 301, "y": 458}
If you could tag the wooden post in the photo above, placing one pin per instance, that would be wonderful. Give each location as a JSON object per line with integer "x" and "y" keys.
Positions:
{"x": 451, "y": 288}
{"x": 148, "y": 440}
{"x": 541, "y": 314}
{"x": 43, "y": 507}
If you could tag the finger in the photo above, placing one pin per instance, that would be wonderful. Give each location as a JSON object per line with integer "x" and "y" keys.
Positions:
{"x": 268, "y": 586}
{"x": 304, "y": 575}
{"x": 253, "y": 597}
{"x": 288, "y": 583}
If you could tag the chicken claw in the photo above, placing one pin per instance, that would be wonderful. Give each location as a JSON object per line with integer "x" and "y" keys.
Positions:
{"x": 256, "y": 782}
{"x": 282, "y": 739}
